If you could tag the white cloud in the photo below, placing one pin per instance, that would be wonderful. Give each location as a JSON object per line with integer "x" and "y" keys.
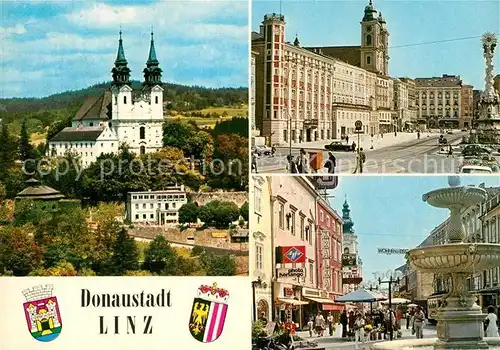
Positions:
{"x": 17, "y": 29}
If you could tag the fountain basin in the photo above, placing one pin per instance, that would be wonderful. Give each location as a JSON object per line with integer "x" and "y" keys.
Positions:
{"x": 455, "y": 257}
{"x": 449, "y": 197}
{"x": 423, "y": 344}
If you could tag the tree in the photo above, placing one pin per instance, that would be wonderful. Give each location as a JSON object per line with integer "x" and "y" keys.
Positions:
{"x": 19, "y": 252}
{"x": 63, "y": 268}
{"x": 160, "y": 258}
{"x": 244, "y": 211}
{"x": 201, "y": 145}
{"x": 178, "y": 133}
{"x": 64, "y": 175}
{"x": 218, "y": 265}
{"x": 8, "y": 151}
{"x": 26, "y": 150}
{"x": 188, "y": 213}
{"x": 125, "y": 254}
{"x": 235, "y": 125}
{"x": 57, "y": 126}
{"x": 219, "y": 214}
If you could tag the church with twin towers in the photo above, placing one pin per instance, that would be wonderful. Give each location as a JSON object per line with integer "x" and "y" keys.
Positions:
{"x": 120, "y": 115}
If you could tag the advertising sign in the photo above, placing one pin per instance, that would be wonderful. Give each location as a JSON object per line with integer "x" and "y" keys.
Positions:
{"x": 291, "y": 254}
{"x": 324, "y": 182}
{"x": 286, "y": 273}
{"x": 354, "y": 280}
{"x": 325, "y": 240}
{"x": 392, "y": 251}
{"x": 349, "y": 260}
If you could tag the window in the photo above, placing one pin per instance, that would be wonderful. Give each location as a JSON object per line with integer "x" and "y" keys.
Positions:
{"x": 368, "y": 40}
{"x": 143, "y": 205}
{"x": 152, "y": 216}
{"x": 258, "y": 257}
{"x": 151, "y": 206}
{"x": 124, "y": 100}
{"x": 142, "y": 150}
{"x": 368, "y": 60}
{"x": 137, "y": 206}
{"x": 292, "y": 229}
{"x": 137, "y": 216}
{"x": 321, "y": 215}
{"x": 257, "y": 198}
{"x": 281, "y": 216}
{"x": 142, "y": 133}
{"x": 144, "y": 216}
{"x": 311, "y": 273}
{"x": 156, "y": 99}
{"x": 302, "y": 230}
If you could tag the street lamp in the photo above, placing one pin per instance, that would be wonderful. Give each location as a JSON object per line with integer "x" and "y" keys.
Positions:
{"x": 390, "y": 282}
{"x": 371, "y": 286}
{"x": 256, "y": 283}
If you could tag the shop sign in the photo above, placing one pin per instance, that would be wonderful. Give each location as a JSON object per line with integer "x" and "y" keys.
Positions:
{"x": 349, "y": 260}
{"x": 288, "y": 292}
{"x": 327, "y": 273}
{"x": 310, "y": 292}
{"x": 324, "y": 182}
{"x": 296, "y": 272}
{"x": 355, "y": 280}
{"x": 325, "y": 240}
{"x": 392, "y": 251}
{"x": 291, "y": 254}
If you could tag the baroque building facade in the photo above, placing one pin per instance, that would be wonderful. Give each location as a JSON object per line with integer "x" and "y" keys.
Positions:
{"x": 317, "y": 93}
{"x": 119, "y": 115}
{"x": 444, "y": 102}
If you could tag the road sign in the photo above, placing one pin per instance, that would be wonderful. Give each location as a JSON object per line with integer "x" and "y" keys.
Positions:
{"x": 358, "y": 124}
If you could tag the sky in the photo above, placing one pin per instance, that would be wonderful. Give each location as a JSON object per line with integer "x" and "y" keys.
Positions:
{"x": 388, "y": 212}
{"x": 337, "y": 23}
{"x": 48, "y": 47}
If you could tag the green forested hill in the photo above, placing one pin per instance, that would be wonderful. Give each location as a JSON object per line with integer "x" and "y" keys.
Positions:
{"x": 42, "y": 112}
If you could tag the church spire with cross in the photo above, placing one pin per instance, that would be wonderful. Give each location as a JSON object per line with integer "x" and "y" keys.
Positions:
{"x": 152, "y": 72}
{"x": 121, "y": 72}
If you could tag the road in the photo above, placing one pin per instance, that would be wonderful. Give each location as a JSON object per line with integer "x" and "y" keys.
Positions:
{"x": 336, "y": 342}
{"x": 414, "y": 156}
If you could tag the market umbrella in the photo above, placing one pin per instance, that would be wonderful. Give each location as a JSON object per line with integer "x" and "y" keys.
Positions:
{"x": 360, "y": 296}
{"x": 397, "y": 301}
{"x": 412, "y": 305}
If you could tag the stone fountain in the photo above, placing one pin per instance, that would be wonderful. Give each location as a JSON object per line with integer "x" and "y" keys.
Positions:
{"x": 460, "y": 320}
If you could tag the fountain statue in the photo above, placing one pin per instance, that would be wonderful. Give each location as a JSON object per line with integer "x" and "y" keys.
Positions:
{"x": 488, "y": 122}
{"x": 460, "y": 319}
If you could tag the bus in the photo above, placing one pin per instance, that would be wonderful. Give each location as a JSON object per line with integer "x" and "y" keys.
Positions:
{"x": 435, "y": 301}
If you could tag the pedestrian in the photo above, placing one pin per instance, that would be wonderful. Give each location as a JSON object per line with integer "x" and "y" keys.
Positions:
{"x": 273, "y": 151}
{"x": 450, "y": 152}
{"x": 310, "y": 326}
{"x": 331, "y": 163}
{"x": 343, "y": 322}
{"x": 263, "y": 318}
{"x": 359, "y": 331}
{"x": 319, "y": 324}
{"x": 329, "y": 321}
{"x": 347, "y": 140}
{"x": 418, "y": 322}
{"x": 254, "y": 162}
{"x": 300, "y": 139}
{"x": 291, "y": 165}
{"x": 302, "y": 162}
{"x": 418, "y": 135}
{"x": 408, "y": 316}
{"x": 353, "y": 146}
{"x": 490, "y": 323}
{"x": 362, "y": 160}
{"x": 351, "y": 321}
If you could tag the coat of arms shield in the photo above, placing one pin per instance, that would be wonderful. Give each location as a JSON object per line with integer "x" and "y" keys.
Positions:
{"x": 208, "y": 313}
{"x": 41, "y": 310}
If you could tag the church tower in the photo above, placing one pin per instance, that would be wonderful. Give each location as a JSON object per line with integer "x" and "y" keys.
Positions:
{"x": 374, "y": 41}
{"x": 152, "y": 82}
{"x": 120, "y": 88}
{"x": 346, "y": 217}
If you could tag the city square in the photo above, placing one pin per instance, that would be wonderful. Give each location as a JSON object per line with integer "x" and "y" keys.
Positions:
{"x": 318, "y": 242}
{"x": 309, "y": 103}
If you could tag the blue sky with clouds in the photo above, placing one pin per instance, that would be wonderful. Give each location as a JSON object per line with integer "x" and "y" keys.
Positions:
{"x": 336, "y": 23}
{"x": 388, "y": 212}
{"x": 52, "y": 46}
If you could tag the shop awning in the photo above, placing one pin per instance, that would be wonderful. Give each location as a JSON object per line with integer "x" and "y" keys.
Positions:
{"x": 293, "y": 301}
{"x": 321, "y": 300}
{"x": 333, "y": 307}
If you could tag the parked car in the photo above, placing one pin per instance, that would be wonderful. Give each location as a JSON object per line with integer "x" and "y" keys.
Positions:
{"x": 450, "y": 132}
{"x": 262, "y": 150}
{"x": 475, "y": 169}
{"x": 338, "y": 146}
